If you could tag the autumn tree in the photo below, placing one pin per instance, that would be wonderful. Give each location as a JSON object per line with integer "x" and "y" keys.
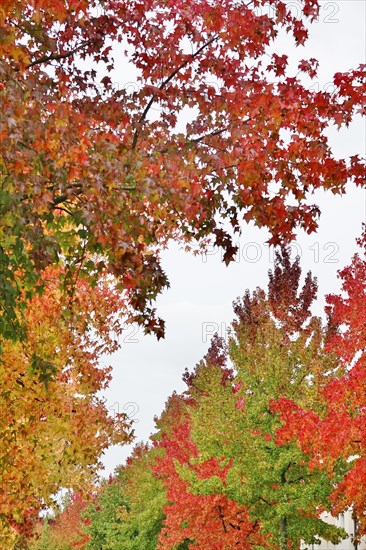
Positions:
{"x": 53, "y": 427}
{"x": 92, "y": 179}
{"x": 251, "y": 453}
{"x": 337, "y": 438}
{"x": 227, "y": 447}
{"x": 125, "y": 511}
{"x": 62, "y": 531}
{"x": 128, "y": 511}
{"x": 207, "y": 518}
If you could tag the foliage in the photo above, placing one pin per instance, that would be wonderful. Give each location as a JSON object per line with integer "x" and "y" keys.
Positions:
{"x": 128, "y": 511}
{"x": 203, "y": 519}
{"x": 93, "y": 185}
{"x": 125, "y": 513}
{"x": 340, "y": 432}
{"x": 223, "y": 454}
{"x": 63, "y": 531}
{"x": 53, "y": 426}
{"x": 251, "y": 454}
{"x": 93, "y": 180}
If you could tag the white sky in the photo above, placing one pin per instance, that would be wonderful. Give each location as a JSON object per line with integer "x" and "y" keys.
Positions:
{"x": 146, "y": 372}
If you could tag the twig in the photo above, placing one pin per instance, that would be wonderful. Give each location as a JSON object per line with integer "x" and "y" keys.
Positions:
{"x": 47, "y": 58}
{"x": 167, "y": 80}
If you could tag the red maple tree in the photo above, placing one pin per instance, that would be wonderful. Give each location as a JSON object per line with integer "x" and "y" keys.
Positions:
{"x": 340, "y": 434}
{"x": 67, "y": 526}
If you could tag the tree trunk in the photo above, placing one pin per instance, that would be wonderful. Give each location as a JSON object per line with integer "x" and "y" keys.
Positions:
{"x": 283, "y": 528}
{"x": 355, "y": 531}
{"x": 283, "y": 521}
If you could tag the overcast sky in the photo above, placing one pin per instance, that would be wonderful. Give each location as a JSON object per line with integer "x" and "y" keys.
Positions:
{"x": 199, "y": 302}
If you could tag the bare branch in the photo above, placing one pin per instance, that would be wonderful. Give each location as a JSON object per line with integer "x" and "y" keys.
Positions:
{"x": 210, "y": 134}
{"x": 222, "y": 518}
{"x": 266, "y": 501}
{"x": 57, "y": 57}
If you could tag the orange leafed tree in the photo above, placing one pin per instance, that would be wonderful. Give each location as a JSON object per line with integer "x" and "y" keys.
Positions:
{"x": 53, "y": 427}
{"x": 66, "y": 529}
{"x": 100, "y": 179}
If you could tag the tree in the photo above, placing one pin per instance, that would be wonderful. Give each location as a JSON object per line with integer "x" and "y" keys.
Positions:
{"x": 336, "y": 439}
{"x": 63, "y": 531}
{"x": 53, "y": 426}
{"x": 92, "y": 181}
{"x": 250, "y": 455}
{"x": 227, "y": 449}
{"x": 128, "y": 511}
{"x": 204, "y": 519}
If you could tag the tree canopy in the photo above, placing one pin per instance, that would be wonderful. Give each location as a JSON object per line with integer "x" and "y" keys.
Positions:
{"x": 93, "y": 180}
{"x": 54, "y": 427}
{"x": 252, "y": 453}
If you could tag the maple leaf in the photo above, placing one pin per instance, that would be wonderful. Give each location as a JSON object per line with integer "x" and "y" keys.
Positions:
{"x": 309, "y": 66}
{"x": 279, "y": 64}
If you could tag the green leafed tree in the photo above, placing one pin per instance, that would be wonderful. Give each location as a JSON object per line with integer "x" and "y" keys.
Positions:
{"x": 125, "y": 512}
{"x": 277, "y": 350}
{"x": 128, "y": 511}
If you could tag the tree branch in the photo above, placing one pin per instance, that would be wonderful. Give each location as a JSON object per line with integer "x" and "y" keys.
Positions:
{"x": 222, "y": 518}
{"x": 266, "y": 501}
{"x": 64, "y": 197}
{"x": 167, "y": 80}
{"x": 284, "y": 471}
{"x": 63, "y": 210}
{"x": 57, "y": 57}
{"x": 216, "y": 132}
{"x": 210, "y": 134}
{"x": 308, "y": 476}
